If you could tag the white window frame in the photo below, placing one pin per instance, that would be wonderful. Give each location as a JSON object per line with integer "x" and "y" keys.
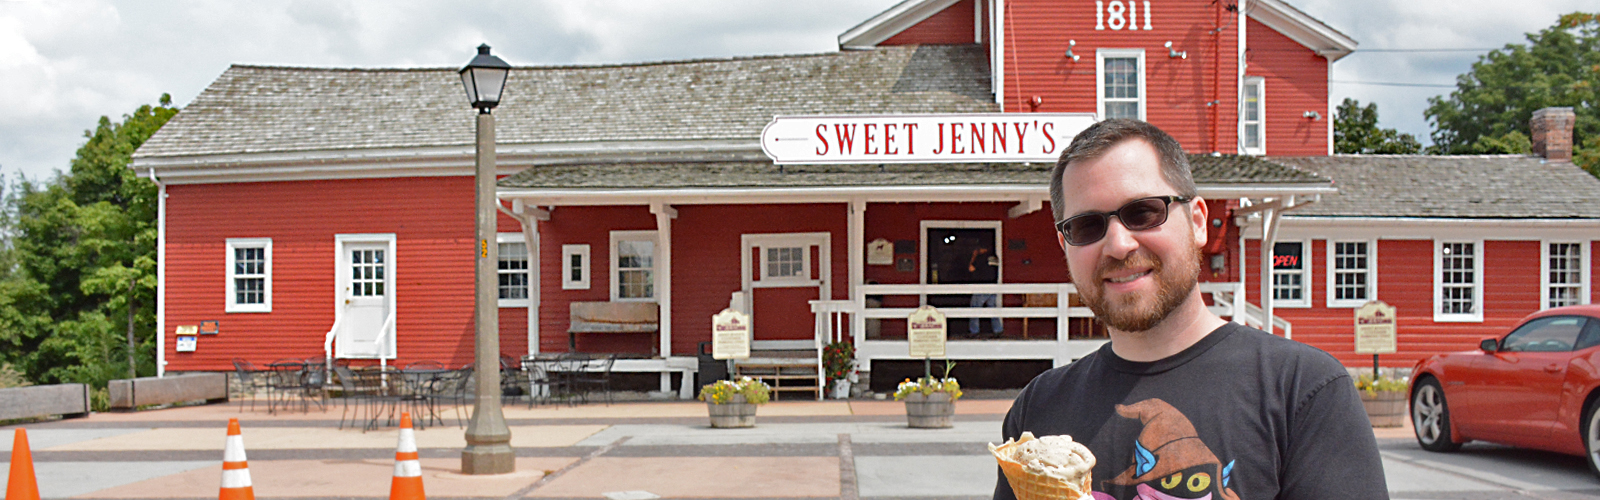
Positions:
{"x": 1305, "y": 277}
{"x": 1260, "y": 85}
{"x": 655, "y": 259}
{"x": 584, "y": 267}
{"x": 230, "y": 301}
{"x": 1544, "y": 271}
{"x": 1332, "y": 271}
{"x": 502, "y": 238}
{"x": 1100, "y": 56}
{"x": 1476, "y": 316}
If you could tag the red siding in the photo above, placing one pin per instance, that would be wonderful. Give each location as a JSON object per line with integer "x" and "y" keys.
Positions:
{"x": 430, "y": 217}
{"x": 952, "y": 25}
{"x": 1296, "y": 81}
{"x": 1178, "y": 89}
{"x": 1405, "y": 281}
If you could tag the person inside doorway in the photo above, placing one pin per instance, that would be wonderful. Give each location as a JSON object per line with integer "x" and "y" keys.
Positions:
{"x": 1180, "y": 403}
{"x": 984, "y": 268}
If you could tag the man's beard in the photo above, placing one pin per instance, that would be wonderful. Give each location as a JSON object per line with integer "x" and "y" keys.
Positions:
{"x": 1140, "y": 312}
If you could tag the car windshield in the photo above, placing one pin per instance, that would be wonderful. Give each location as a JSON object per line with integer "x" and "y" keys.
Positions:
{"x": 1552, "y": 334}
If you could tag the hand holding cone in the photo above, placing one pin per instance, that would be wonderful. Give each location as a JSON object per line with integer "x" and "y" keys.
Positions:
{"x": 407, "y": 483}
{"x": 1028, "y": 482}
{"x": 21, "y": 484}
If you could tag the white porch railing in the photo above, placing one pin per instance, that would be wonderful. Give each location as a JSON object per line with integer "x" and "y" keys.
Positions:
{"x": 840, "y": 319}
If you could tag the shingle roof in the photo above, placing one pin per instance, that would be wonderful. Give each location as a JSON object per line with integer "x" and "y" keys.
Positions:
{"x": 256, "y": 109}
{"x": 1208, "y": 170}
{"x": 1494, "y": 186}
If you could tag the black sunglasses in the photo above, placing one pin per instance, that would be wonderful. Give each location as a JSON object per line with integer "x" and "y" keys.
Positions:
{"x": 1137, "y": 215}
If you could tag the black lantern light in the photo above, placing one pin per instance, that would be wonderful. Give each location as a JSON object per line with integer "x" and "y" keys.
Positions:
{"x": 485, "y": 79}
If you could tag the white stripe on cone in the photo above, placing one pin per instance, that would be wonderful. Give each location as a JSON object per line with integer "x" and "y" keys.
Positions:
{"x": 237, "y": 478}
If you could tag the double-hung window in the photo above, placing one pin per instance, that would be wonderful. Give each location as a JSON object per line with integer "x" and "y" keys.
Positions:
{"x": 1289, "y": 271}
{"x": 1458, "y": 281}
{"x": 1252, "y": 133}
{"x": 1119, "y": 90}
{"x": 1352, "y": 273}
{"x": 513, "y": 270}
{"x": 1565, "y": 273}
{"x": 633, "y": 268}
{"x": 249, "y": 286}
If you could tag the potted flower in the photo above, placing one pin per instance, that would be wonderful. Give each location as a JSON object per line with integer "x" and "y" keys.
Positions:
{"x": 732, "y": 403}
{"x": 930, "y": 401}
{"x": 839, "y": 363}
{"x": 1384, "y": 398}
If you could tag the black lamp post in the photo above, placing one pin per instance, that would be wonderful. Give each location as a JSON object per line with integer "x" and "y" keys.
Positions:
{"x": 488, "y": 439}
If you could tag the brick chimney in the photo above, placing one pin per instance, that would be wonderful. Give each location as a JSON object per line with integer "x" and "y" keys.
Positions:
{"x": 1552, "y": 133}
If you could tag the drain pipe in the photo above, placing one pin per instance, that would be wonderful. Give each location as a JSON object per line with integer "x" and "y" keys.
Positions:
{"x": 161, "y": 275}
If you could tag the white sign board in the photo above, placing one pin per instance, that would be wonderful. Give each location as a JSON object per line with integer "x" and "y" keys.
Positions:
{"x": 880, "y": 252}
{"x": 1375, "y": 328}
{"x": 186, "y": 343}
{"x": 925, "y": 331}
{"x": 922, "y": 138}
{"x": 730, "y": 335}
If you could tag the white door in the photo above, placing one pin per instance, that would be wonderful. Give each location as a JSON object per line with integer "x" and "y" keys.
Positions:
{"x": 365, "y": 289}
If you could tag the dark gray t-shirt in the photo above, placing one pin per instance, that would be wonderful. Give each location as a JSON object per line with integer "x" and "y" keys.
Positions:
{"x": 1239, "y": 415}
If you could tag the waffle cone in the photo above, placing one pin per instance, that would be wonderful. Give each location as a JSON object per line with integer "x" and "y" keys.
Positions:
{"x": 1028, "y": 486}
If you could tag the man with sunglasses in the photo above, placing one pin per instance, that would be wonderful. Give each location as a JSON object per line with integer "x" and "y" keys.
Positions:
{"x": 1180, "y": 403}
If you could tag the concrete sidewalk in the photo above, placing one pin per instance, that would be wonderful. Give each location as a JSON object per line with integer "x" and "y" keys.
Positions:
{"x": 828, "y": 449}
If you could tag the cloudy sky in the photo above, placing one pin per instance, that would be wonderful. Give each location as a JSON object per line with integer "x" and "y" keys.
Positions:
{"x": 65, "y": 63}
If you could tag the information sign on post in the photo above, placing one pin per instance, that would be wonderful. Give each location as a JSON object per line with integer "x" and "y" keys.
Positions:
{"x": 730, "y": 335}
{"x": 1375, "y": 328}
{"x": 925, "y": 329}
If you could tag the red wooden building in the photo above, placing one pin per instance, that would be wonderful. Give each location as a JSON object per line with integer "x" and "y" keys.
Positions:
{"x": 329, "y": 211}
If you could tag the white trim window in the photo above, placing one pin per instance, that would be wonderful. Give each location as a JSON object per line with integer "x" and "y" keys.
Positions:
{"x": 512, "y": 270}
{"x": 1458, "y": 281}
{"x": 1564, "y": 273}
{"x": 1291, "y": 274}
{"x": 249, "y": 275}
{"x": 1252, "y": 123}
{"x": 1352, "y": 273}
{"x": 574, "y": 267}
{"x": 782, "y": 263}
{"x": 1119, "y": 83}
{"x": 633, "y": 266}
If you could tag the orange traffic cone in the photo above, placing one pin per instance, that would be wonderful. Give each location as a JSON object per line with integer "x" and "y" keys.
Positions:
{"x": 407, "y": 483}
{"x": 21, "y": 485}
{"x": 235, "y": 470}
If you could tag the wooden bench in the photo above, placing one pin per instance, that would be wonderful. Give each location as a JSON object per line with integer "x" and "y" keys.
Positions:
{"x": 612, "y": 317}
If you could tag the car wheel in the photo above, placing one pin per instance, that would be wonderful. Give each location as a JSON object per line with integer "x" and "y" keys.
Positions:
{"x": 1430, "y": 418}
{"x": 1591, "y": 436}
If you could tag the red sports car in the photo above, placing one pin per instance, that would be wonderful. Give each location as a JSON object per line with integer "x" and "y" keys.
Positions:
{"x": 1534, "y": 387}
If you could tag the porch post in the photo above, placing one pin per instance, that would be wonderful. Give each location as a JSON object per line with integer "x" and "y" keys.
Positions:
{"x": 530, "y": 237}
{"x": 857, "y": 248}
{"x": 664, "y": 215}
{"x": 1269, "y": 235}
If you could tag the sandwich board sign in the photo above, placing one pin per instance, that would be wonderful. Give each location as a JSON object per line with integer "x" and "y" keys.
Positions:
{"x": 730, "y": 335}
{"x": 925, "y": 332}
{"x": 1375, "y": 328}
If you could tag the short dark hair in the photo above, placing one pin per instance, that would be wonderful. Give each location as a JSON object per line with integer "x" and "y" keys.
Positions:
{"x": 1095, "y": 140}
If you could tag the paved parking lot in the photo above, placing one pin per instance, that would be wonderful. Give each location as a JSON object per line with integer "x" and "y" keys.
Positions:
{"x": 832, "y": 449}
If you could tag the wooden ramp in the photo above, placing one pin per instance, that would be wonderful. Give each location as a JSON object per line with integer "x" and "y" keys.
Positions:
{"x": 790, "y": 367}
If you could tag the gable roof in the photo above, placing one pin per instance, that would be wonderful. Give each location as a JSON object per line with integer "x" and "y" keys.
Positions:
{"x": 1467, "y": 187}
{"x": 285, "y": 114}
{"x": 1302, "y": 28}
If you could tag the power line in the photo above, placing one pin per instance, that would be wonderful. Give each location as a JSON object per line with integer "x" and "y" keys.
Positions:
{"x": 1421, "y": 50}
{"x": 1395, "y": 84}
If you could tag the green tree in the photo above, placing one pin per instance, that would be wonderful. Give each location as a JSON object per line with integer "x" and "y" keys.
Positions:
{"x": 1489, "y": 110}
{"x": 1355, "y": 131}
{"x": 78, "y": 302}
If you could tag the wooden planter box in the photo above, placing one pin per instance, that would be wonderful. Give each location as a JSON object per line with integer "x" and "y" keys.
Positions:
{"x": 932, "y": 411}
{"x": 1385, "y": 408}
{"x": 735, "y": 413}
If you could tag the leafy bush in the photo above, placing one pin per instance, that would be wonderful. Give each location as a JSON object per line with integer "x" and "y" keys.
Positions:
{"x": 722, "y": 391}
